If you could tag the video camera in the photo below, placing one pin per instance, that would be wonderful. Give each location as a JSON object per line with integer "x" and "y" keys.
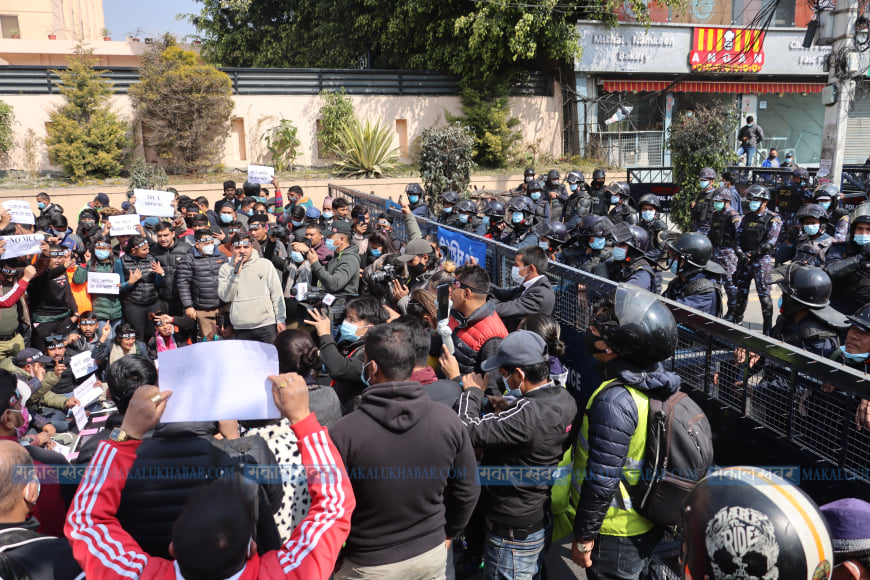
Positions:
{"x": 386, "y": 274}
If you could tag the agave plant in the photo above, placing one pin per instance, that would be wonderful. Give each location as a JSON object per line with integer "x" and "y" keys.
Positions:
{"x": 365, "y": 150}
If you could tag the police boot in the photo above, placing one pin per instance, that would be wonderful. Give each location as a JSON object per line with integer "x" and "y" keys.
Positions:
{"x": 766, "y": 313}
{"x": 735, "y": 312}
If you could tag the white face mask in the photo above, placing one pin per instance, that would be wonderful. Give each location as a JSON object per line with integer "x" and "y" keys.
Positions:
{"x": 207, "y": 250}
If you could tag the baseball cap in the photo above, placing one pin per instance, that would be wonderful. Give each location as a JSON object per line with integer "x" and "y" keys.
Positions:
{"x": 789, "y": 155}
{"x": 10, "y": 395}
{"x": 31, "y": 355}
{"x": 518, "y": 349}
{"x": 418, "y": 247}
{"x": 103, "y": 199}
{"x": 340, "y": 227}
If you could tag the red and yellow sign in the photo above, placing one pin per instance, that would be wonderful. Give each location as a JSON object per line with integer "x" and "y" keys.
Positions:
{"x": 727, "y": 50}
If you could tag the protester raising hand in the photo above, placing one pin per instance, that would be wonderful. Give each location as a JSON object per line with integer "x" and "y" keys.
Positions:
{"x": 320, "y": 321}
{"x": 144, "y": 411}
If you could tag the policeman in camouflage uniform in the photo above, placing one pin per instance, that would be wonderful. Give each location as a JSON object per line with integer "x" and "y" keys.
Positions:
{"x": 759, "y": 232}
{"x": 696, "y": 281}
{"x": 813, "y": 242}
{"x": 828, "y": 196}
{"x": 627, "y": 258}
{"x": 579, "y": 204}
{"x": 553, "y": 236}
{"x": 623, "y": 206}
{"x": 848, "y": 265}
{"x": 702, "y": 207}
{"x": 789, "y": 200}
{"x": 417, "y": 200}
{"x": 650, "y": 206}
{"x": 724, "y": 235}
{"x": 466, "y": 216}
{"x": 520, "y": 212}
{"x": 541, "y": 201}
{"x": 591, "y": 247}
{"x": 448, "y": 200}
{"x": 492, "y": 225}
{"x": 600, "y": 197}
{"x": 557, "y": 194}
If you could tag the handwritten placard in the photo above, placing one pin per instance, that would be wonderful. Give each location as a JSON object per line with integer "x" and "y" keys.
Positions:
{"x": 260, "y": 173}
{"x": 26, "y": 245}
{"x": 124, "y": 225}
{"x": 100, "y": 283}
{"x": 80, "y": 416}
{"x": 82, "y": 364}
{"x": 19, "y": 211}
{"x": 152, "y": 202}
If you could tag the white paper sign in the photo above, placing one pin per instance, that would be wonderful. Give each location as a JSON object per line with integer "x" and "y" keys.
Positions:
{"x": 258, "y": 174}
{"x": 62, "y": 449}
{"x": 81, "y": 365}
{"x": 21, "y": 245}
{"x": 217, "y": 380}
{"x": 19, "y": 211}
{"x": 152, "y": 202}
{"x": 124, "y": 225}
{"x": 80, "y": 416}
{"x": 100, "y": 283}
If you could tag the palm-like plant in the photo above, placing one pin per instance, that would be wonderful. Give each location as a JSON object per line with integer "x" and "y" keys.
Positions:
{"x": 365, "y": 150}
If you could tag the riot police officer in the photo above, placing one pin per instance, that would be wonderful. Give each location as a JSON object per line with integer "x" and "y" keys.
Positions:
{"x": 492, "y": 225}
{"x": 417, "y": 200}
{"x": 813, "y": 242}
{"x": 702, "y": 207}
{"x": 788, "y": 201}
{"x": 557, "y": 194}
{"x": 724, "y": 235}
{"x": 541, "y": 201}
{"x": 466, "y": 216}
{"x": 697, "y": 279}
{"x": 759, "y": 232}
{"x": 623, "y": 206}
{"x": 627, "y": 258}
{"x": 520, "y": 212}
{"x": 448, "y": 200}
{"x": 600, "y": 198}
{"x": 579, "y": 204}
{"x": 848, "y": 265}
{"x": 828, "y": 196}
{"x": 591, "y": 247}
{"x": 528, "y": 177}
{"x": 553, "y": 236}
{"x": 650, "y": 206}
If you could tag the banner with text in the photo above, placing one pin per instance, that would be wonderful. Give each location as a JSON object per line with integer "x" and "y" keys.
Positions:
{"x": 19, "y": 211}
{"x": 260, "y": 174}
{"x": 462, "y": 247}
{"x": 26, "y": 245}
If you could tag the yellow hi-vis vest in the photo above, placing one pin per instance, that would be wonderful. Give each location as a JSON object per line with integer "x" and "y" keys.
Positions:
{"x": 621, "y": 519}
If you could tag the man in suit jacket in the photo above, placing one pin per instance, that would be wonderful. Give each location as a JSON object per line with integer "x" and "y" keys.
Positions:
{"x": 534, "y": 292}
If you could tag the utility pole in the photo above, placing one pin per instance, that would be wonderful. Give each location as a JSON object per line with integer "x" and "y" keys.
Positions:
{"x": 845, "y": 14}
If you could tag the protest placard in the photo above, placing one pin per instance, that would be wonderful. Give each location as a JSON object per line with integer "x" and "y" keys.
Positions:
{"x": 82, "y": 364}
{"x": 26, "y": 245}
{"x": 152, "y": 202}
{"x": 462, "y": 247}
{"x": 19, "y": 211}
{"x": 80, "y": 416}
{"x": 260, "y": 173}
{"x": 124, "y": 225}
{"x": 100, "y": 283}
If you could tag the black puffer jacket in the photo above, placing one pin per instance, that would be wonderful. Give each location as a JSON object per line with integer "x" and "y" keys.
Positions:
{"x": 144, "y": 291}
{"x": 612, "y": 422}
{"x": 169, "y": 259}
{"x": 196, "y": 280}
{"x": 171, "y": 464}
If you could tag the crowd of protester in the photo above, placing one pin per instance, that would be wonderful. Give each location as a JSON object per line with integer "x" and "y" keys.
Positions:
{"x": 411, "y": 388}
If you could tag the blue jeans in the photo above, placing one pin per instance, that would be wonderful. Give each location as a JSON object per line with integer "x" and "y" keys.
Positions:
{"x": 619, "y": 558}
{"x": 750, "y": 154}
{"x": 506, "y": 559}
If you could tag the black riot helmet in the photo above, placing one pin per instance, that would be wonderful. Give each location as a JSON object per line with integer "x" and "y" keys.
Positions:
{"x": 800, "y": 173}
{"x": 807, "y": 285}
{"x": 693, "y": 251}
{"x": 635, "y": 237}
{"x": 553, "y": 231}
{"x": 756, "y": 191}
{"x": 535, "y": 186}
{"x": 584, "y": 227}
{"x": 650, "y": 199}
{"x": 450, "y": 197}
{"x": 860, "y": 215}
{"x": 494, "y": 209}
{"x": 553, "y": 175}
{"x": 575, "y": 177}
{"x": 827, "y": 191}
{"x": 529, "y": 174}
{"x": 748, "y": 523}
{"x": 812, "y": 210}
{"x": 413, "y": 189}
{"x": 861, "y": 318}
{"x": 466, "y": 206}
{"x": 644, "y": 331}
{"x": 598, "y": 174}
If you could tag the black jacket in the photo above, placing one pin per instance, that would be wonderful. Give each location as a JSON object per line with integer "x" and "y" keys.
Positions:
{"x": 27, "y": 554}
{"x": 612, "y": 422}
{"x": 50, "y": 293}
{"x": 167, "y": 470}
{"x": 169, "y": 259}
{"x": 535, "y": 431}
{"x": 513, "y": 304}
{"x": 143, "y": 292}
{"x": 413, "y": 472}
{"x": 344, "y": 364}
{"x": 196, "y": 279}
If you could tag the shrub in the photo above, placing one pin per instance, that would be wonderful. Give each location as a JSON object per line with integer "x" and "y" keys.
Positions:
{"x": 7, "y": 133}
{"x": 335, "y": 114}
{"x": 282, "y": 143}
{"x": 185, "y": 107}
{"x": 488, "y": 113}
{"x": 144, "y": 175}
{"x": 85, "y": 137}
{"x": 446, "y": 159}
{"x": 702, "y": 140}
{"x": 365, "y": 150}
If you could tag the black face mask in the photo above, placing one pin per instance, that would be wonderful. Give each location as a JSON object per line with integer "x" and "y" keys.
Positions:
{"x": 589, "y": 341}
{"x": 415, "y": 271}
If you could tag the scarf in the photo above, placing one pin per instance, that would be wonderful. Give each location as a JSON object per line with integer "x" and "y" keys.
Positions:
{"x": 162, "y": 345}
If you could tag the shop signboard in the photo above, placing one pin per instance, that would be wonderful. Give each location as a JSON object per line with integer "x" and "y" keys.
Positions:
{"x": 727, "y": 50}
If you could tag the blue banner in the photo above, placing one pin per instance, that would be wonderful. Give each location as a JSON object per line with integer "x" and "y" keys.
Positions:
{"x": 462, "y": 247}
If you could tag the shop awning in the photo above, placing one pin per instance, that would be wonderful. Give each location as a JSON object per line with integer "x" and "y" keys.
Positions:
{"x": 617, "y": 86}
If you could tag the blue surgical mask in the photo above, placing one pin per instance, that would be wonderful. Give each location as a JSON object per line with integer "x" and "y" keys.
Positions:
{"x": 515, "y": 275}
{"x": 718, "y": 205}
{"x": 463, "y": 218}
{"x": 619, "y": 254}
{"x": 614, "y": 199}
{"x": 573, "y": 186}
{"x": 648, "y": 215}
{"x": 102, "y": 254}
{"x": 704, "y": 183}
{"x": 330, "y": 244}
{"x": 448, "y": 209}
{"x": 375, "y": 252}
{"x": 508, "y": 391}
{"x": 859, "y": 357}
{"x": 296, "y": 224}
{"x": 347, "y": 331}
{"x": 362, "y": 374}
{"x": 327, "y": 215}
{"x": 861, "y": 239}
{"x": 780, "y": 303}
{"x": 486, "y": 221}
{"x": 811, "y": 229}
{"x": 40, "y": 205}
{"x": 516, "y": 217}
{"x": 413, "y": 198}
{"x": 226, "y": 218}
{"x": 297, "y": 257}
{"x": 544, "y": 246}
{"x": 674, "y": 267}
{"x": 597, "y": 243}
{"x": 535, "y": 195}
{"x": 754, "y": 205}
{"x": 825, "y": 204}
{"x": 248, "y": 213}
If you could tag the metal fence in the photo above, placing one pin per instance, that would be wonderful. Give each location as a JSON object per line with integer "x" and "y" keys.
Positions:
{"x": 627, "y": 149}
{"x": 791, "y": 394}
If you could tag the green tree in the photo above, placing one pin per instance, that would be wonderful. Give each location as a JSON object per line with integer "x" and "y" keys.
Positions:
{"x": 336, "y": 113}
{"x": 85, "y": 137}
{"x": 495, "y": 133}
{"x": 7, "y": 132}
{"x": 702, "y": 140}
{"x": 184, "y": 106}
{"x": 144, "y": 175}
{"x": 446, "y": 160}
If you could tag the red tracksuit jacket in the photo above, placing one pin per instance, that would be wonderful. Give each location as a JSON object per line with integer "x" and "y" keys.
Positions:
{"x": 105, "y": 550}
